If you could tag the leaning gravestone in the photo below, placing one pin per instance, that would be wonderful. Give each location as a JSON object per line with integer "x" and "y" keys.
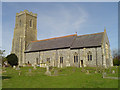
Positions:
{"x": 47, "y": 71}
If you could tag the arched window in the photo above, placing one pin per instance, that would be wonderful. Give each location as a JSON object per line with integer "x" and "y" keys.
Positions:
{"x": 20, "y": 23}
{"x": 75, "y": 58}
{"x": 106, "y": 48}
{"x": 31, "y": 23}
{"x": 61, "y": 60}
{"x": 89, "y": 56}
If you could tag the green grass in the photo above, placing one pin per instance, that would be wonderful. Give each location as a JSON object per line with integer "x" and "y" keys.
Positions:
{"x": 67, "y": 78}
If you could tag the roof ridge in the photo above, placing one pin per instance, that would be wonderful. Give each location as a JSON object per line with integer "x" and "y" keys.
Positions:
{"x": 90, "y": 34}
{"x": 55, "y": 38}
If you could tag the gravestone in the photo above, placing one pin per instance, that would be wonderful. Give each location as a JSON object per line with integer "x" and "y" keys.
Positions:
{"x": 95, "y": 71}
{"x": 56, "y": 72}
{"x": 83, "y": 70}
{"x": 47, "y": 71}
{"x": 87, "y": 72}
{"x": 24, "y": 65}
{"x": 18, "y": 68}
{"x": 110, "y": 70}
{"x": 113, "y": 72}
{"x": 14, "y": 67}
{"x": 104, "y": 74}
{"x": 34, "y": 67}
{"x": 30, "y": 71}
{"x": 19, "y": 73}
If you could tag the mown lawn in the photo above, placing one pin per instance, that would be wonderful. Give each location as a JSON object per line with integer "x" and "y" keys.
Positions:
{"x": 67, "y": 78}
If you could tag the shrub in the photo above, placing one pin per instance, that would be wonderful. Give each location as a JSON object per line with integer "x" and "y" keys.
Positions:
{"x": 12, "y": 59}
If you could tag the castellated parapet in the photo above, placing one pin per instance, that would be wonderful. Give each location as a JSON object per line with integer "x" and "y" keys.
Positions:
{"x": 25, "y": 31}
{"x": 26, "y": 11}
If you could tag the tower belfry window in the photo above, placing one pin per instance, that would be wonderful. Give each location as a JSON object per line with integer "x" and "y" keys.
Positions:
{"x": 31, "y": 23}
{"x": 20, "y": 23}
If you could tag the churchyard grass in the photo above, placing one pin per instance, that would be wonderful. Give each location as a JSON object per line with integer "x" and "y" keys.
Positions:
{"x": 69, "y": 77}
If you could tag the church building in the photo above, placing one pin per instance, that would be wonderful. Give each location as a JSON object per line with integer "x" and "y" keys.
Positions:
{"x": 90, "y": 50}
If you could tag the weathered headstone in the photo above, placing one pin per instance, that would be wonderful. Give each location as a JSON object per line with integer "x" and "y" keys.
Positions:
{"x": 110, "y": 70}
{"x": 95, "y": 71}
{"x": 104, "y": 74}
{"x": 18, "y": 68}
{"x": 19, "y": 73}
{"x": 113, "y": 72}
{"x": 30, "y": 71}
{"x": 47, "y": 71}
{"x": 56, "y": 72}
{"x": 87, "y": 72}
{"x": 24, "y": 65}
{"x": 34, "y": 67}
{"x": 14, "y": 67}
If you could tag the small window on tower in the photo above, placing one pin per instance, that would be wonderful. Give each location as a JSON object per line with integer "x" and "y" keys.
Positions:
{"x": 31, "y": 23}
{"x": 20, "y": 23}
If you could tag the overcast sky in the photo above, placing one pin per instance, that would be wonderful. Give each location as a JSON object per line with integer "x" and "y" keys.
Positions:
{"x": 60, "y": 19}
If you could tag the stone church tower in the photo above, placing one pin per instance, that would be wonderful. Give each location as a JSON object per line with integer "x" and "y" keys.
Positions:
{"x": 25, "y": 31}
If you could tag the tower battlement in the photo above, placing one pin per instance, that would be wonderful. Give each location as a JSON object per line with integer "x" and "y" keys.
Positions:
{"x": 26, "y": 11}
